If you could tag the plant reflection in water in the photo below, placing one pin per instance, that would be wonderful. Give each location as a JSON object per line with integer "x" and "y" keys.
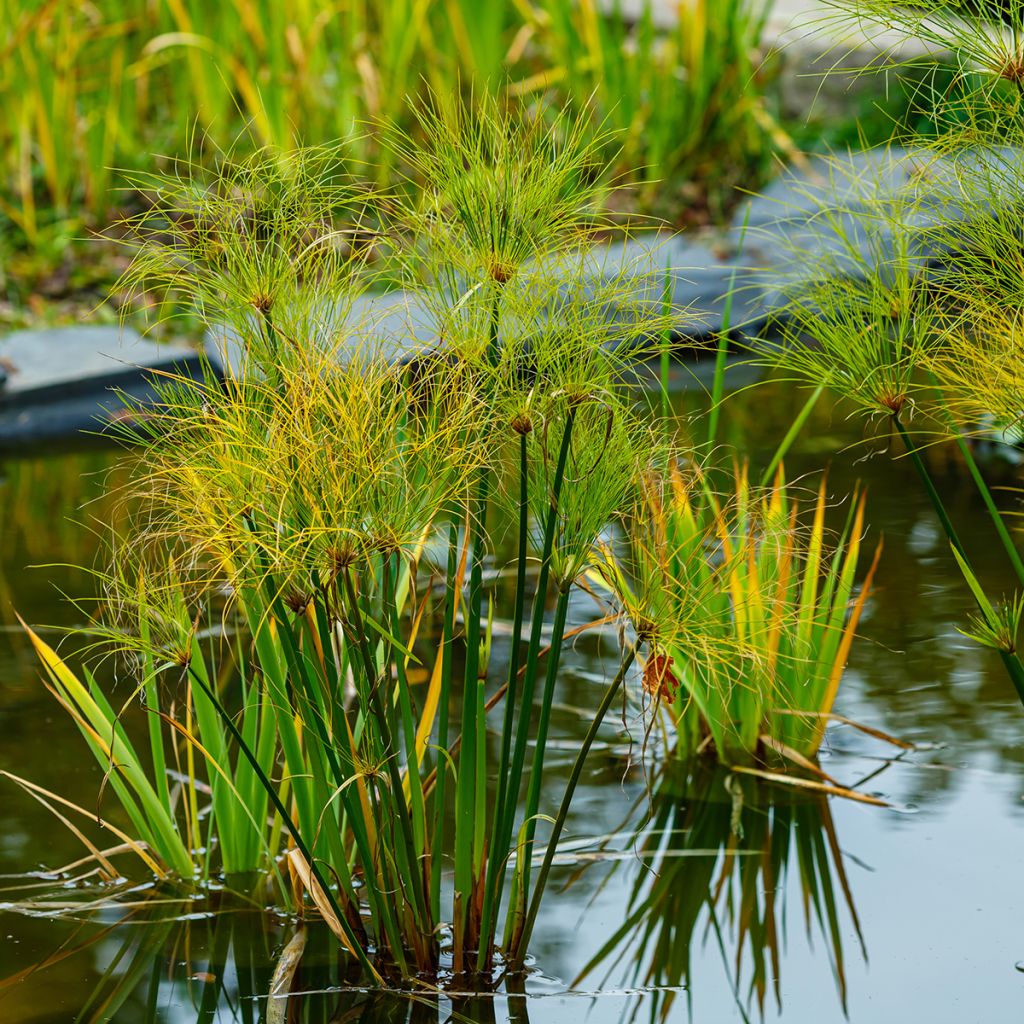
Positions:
{"x": 163, "y": 956}
{"x": 717, "y": 855}
{"x": 723, "y": 860}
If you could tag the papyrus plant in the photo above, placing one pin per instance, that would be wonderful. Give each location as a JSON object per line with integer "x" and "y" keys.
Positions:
{"x": 917, "y": 324}
{"x": 330, "y": 509}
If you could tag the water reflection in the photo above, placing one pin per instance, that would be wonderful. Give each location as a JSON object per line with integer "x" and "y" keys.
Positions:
{"x": 940, "y": 908}
{"x": 161, "y": 958}
{"x": 726, "y": 860}
{"x": 53, "y": 511}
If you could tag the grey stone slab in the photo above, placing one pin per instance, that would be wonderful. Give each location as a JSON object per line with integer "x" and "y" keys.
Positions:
{"x": 701, "y": 276}
{"x": 61, "y": 359}
{"x": 403, "y": 322}
{"x": 399, "y": 325}
{"x": 63, "y": 381}
{"x": 906, "y": 189}
{"x": 848, "y": 180}
{"x": 843, "y": 214}
{"x": 857, "y": 214}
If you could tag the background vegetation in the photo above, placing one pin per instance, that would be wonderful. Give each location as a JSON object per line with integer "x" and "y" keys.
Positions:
{"x": 90, "y": 90}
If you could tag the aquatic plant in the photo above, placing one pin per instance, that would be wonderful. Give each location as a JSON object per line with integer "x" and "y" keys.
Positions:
{"x": 770, "y": 597}
{"x": 718, "y": 853}
{"x": 911, "y": 306}
{"x": 302, "y": 595}
{"x": 312, "y": 537}
{"x": 265, "y": 236}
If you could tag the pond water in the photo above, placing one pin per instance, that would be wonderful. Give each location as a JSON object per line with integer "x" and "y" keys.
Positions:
{"x": 739, "y": 907}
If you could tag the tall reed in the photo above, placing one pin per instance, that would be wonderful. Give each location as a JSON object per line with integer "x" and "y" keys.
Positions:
{"x": 89, "y": 89}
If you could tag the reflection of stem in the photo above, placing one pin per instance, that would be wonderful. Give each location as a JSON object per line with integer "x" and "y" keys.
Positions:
{"x": 1011, "y": 662}
{"x": 523, "y": 938}
{"x": 700, "y": 882}
{"x": 734, "y": 982}
{"x": 518, "y": 1008}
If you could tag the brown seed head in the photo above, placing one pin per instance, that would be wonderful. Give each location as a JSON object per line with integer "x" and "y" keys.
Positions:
{"x": 340, "y": 558}
{"x": 645, "y": 629}
{"x": 894, "y": 403}
{"x": 659, "y": 678}
{"x": 297, "y": 601}
{"x": 1013, "y": 70}
{"x": 500, "y": 271}
{"x": 521, "y": 423}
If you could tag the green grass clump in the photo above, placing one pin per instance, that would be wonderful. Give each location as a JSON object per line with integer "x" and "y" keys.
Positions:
{"x": 768, "y": 599}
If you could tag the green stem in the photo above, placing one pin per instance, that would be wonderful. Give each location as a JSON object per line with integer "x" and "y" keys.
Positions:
{"x": 717, "y": 386}
{"x": 791, "y": 435}
{"x": 666, "y": 350}
{"x": 494, "y": 866}
{"x": 493, "y": 343}
{"x": 471, "y": 782}
{"x": 448, "y": 630}
{"x": 273, "y": 348}
{"x": 523, "y": 938}
{"x": 288, "y": 824}
{"x": 501, "y": 846}
{"x": 922, "y": 471}
{"x": 415, "y": 879}
{"x": 986, "y": 496}
{"x": 983, "y": 490}
{"x": 470, "y": 789}
{"x": 722, "y": 353}
{"x": 412, "y": 770}
{"x": 1011, "y": 661}
{"x": 1015, "y": 670}
{"x": 522, "y": 872}
{"x": 153, "y": 720}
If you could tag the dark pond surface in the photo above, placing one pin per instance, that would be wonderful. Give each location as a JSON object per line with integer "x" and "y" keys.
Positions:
{"x": 915, "y": 912}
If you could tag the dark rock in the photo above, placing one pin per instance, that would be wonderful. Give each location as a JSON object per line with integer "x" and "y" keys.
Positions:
{"x": 63, "y": 382}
